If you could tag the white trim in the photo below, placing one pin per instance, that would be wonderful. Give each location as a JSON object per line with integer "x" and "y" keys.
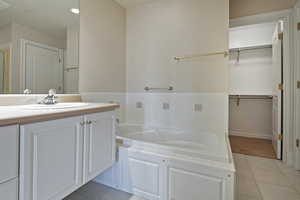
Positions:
{"x": 23, "y": 44}
{"x": 267, "y": 136}
{"x": 287, "y": 79}
{"x": 296, "y": 155}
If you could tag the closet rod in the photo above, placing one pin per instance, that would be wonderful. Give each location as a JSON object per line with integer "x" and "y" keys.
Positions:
{"x": 224, "y": 53}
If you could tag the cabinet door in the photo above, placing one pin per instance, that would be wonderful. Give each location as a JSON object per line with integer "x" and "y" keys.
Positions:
{"x": 200, "y": 186}
{"x": 9, "y": 190}
{"x": 9, "y": 152}
{"x": 99, "y": 143}
{"x": 51, "y": 159}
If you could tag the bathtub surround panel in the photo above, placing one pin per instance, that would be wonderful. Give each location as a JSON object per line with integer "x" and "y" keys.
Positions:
{"x": 102, "y": 46}
{"x": 158, "y": 164}
{"x": 182, "y": 113}
{"x": 160, "y": 30}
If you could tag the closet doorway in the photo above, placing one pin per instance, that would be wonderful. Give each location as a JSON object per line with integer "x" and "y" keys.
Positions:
{"x": 256, "y": 90}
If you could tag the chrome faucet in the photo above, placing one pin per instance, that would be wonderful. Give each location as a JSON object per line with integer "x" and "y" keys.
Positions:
{"x": 27, "y": 91}
{"x": 50, "y": 98}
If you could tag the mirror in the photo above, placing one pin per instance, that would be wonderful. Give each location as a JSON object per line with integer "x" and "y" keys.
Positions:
{"x": 39, "y": 46}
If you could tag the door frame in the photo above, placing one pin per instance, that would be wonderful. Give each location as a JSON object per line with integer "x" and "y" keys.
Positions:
{"x": 10, "y": 47}
{"x": 296, "y": 78}
{"x": 288, "y": 111}
{"x": 23, "y": 44}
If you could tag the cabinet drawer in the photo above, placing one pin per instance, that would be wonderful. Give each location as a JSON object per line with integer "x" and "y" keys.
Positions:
{"x": 9, "y": 190}
{"x": 9, "y": 148}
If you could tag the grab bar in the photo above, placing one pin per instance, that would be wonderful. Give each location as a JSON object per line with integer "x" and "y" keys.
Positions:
{"x": 224, "y": 53}
{"x": 150, "y": 88}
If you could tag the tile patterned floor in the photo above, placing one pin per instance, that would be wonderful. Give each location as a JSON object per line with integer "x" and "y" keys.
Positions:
{"x": 257, "y": 179}
{"x": 265, "y": 179}
{"x": 94, "y": 191}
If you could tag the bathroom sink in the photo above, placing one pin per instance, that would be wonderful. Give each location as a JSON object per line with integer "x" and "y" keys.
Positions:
{"x": 53, "y": 106}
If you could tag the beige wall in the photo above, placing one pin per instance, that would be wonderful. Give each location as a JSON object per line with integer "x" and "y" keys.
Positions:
{"x": 241, "y": 8}
{"x": 162, "y": 29}
{"x": 25, "y": 32}
{"x": 102, "y": 46}
{"x": 5, "y": 34}
{"x": 251, "y": 118}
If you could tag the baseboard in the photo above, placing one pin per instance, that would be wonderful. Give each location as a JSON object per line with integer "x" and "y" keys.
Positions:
{"x": 290, "y": 159}
{"x": 251, "y": 135}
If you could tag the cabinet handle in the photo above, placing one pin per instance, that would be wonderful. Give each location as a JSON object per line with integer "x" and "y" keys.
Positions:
{"x": 89, "y": 122}
{"x": 82, "y": 123}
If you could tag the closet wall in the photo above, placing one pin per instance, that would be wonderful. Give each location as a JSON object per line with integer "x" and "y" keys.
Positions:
{"x": 251, "y": 76}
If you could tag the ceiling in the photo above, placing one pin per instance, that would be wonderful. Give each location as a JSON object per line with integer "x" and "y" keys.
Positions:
{"x": 238, "y": 8}
{"x": 50, "y": 16}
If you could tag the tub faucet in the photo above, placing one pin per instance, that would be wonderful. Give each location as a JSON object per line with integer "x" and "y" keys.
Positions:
{"x": 50, "y": 98}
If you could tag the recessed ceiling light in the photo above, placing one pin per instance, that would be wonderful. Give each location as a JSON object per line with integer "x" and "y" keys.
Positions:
{"x": 75, "y": 11}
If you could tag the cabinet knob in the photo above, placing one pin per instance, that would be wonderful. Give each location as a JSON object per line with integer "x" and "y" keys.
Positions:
{"x": 89, "y": 122}
{"x": 82, "y": 123}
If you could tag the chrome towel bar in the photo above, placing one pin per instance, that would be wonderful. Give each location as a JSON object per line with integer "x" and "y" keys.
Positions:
{"x": 150, "y": 88}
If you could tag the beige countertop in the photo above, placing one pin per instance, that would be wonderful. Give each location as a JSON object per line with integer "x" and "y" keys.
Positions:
{"x": 22, "y": 115}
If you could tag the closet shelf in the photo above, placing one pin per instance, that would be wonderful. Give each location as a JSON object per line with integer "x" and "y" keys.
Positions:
{"x": 238, "y": 98}
{"x": 250, "y": 48}
{"x": 250, "y": 97}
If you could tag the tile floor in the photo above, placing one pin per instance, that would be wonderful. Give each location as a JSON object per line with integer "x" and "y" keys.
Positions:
{"x": 94, "y": 191}
{"x": 265, "y": 179}
{"x": 257, "y": 179}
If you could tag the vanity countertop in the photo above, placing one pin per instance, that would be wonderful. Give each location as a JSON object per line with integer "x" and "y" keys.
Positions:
{"x": 21, "y": 114}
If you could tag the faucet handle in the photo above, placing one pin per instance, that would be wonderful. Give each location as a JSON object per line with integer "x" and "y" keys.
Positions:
{"x": 52, "y": 92}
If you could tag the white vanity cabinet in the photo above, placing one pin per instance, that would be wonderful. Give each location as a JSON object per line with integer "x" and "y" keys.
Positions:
{"x": 9, "y": 162}
{"x": 99, "y": 139}
{"x": 51, "y": 159}
{"x": 59, "y": 156}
